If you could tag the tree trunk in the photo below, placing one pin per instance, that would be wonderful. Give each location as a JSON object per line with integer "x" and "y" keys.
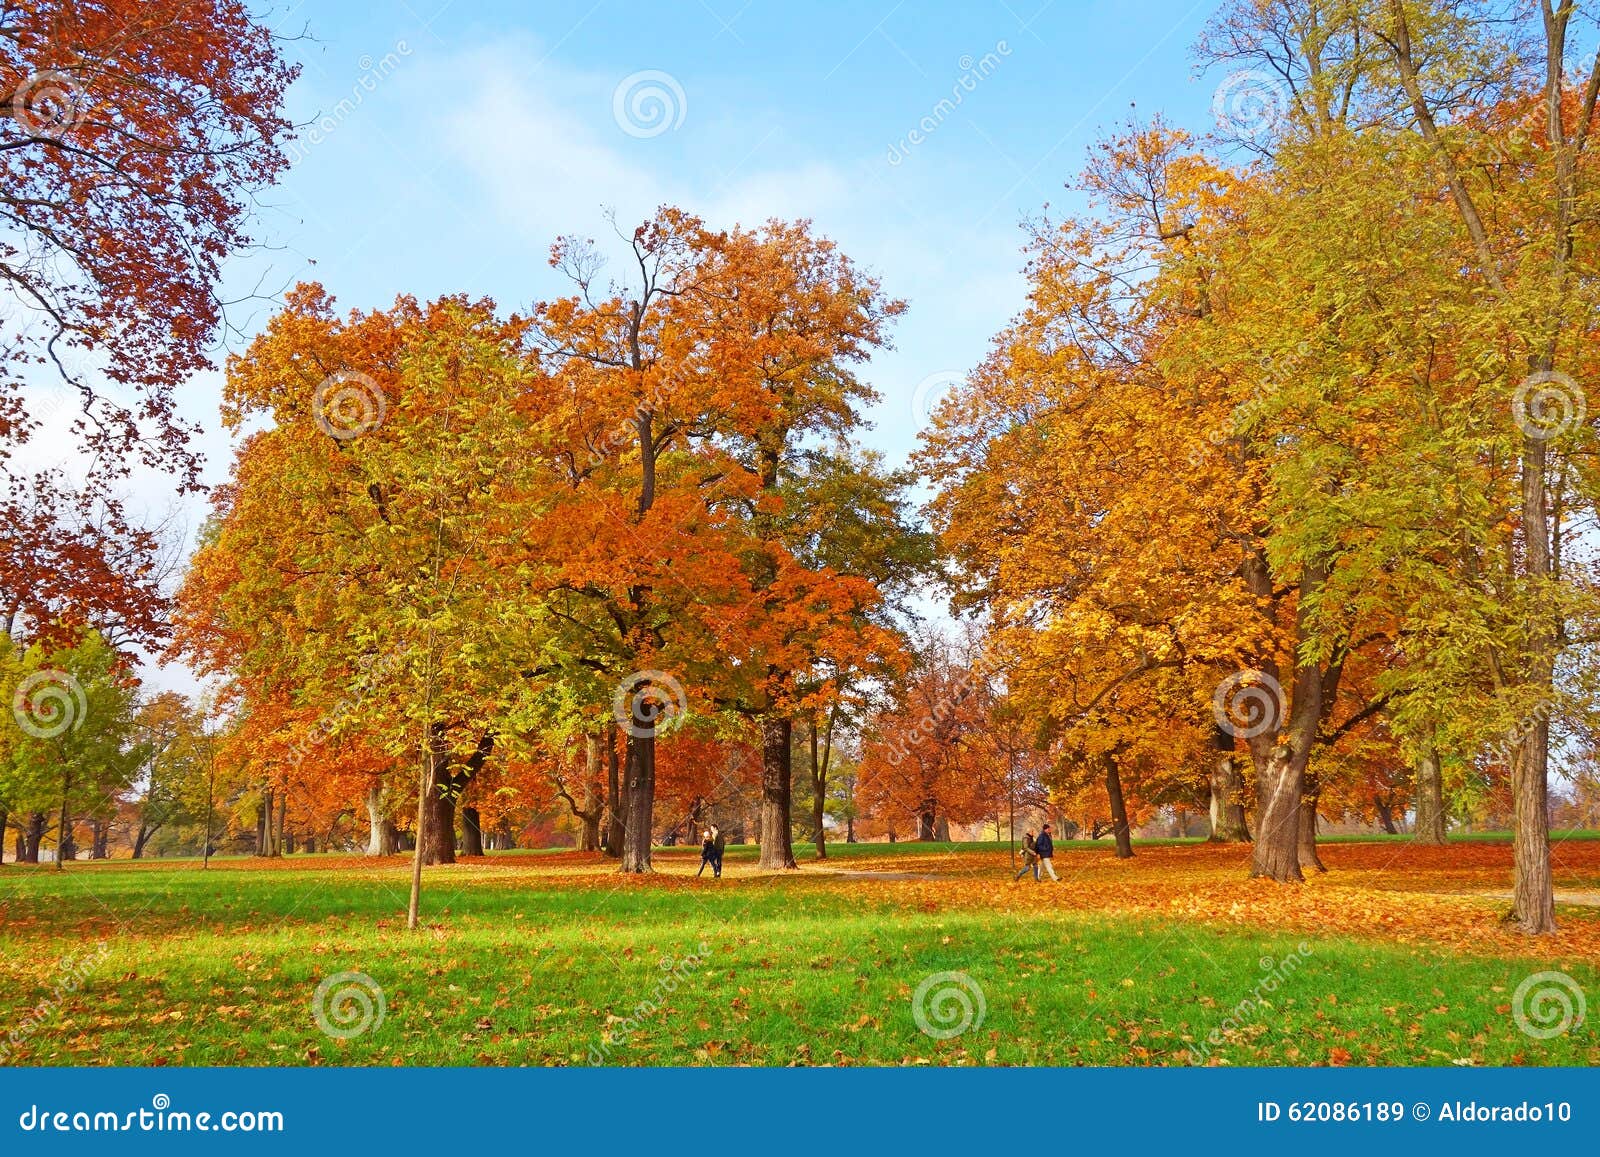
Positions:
{"x": 437, "y": 844}
{"x": 1307, "y": 839}
{"x": 617, "y": 824}
{"x": 471, "y": 832}
{"x": 378, "y": 825}
{"x": 1533, "y": 902}
{"x": 1277, "y": 844}
{"x": 266, "y": 825}
{"x": 925, "y": 818}
{"x": 640, "y": 797}
{"x": 1119, "y": 808}
{"x": 819, "y": 795}
{"x": 1227, "y": 810}
{"x": 1385, "y": 815}
{"x": 593, "y": 797}
{"x": 65, "y": 850}
{"x": 1430, "y": 798}
{"x": 33, "y": 837}
{"x": 777, "y": 782}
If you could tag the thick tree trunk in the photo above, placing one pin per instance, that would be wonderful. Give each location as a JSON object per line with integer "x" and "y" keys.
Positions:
{"x": 941, "y": 829}
{"x": 1430, "y": 798}
{"x": 1227, "y": 810}
{"x": 617, "y": 823}
{"x": 925, "y": 819}
{"x": 471, "y": 832}
{"x": 1533, "y": 908}
{"x": 1533, "y": 902}
{"x": 100, "y": 846}
{"x": 777, "y": 783}
{"x": 32, "y": 837}
{"x": 1277, "y": 844}
{"x": 378, "y": 825}
{"x": 1385, "y": 815}
{"x": 437, "y": 844}
{"x": 1119, "y": 808}
{"x": 640, "y": 798}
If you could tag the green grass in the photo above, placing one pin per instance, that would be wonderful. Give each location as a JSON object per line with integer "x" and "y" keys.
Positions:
{"x": 221, "y": 968}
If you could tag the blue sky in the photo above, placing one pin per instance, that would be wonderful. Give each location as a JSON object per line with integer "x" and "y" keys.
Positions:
{"x": 472, "y": 134}
{"x": 447, "y": 145}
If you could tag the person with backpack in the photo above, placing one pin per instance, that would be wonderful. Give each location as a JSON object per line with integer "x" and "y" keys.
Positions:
{"x": 1045, "y": 848}
{"x": 1030, "y": 860}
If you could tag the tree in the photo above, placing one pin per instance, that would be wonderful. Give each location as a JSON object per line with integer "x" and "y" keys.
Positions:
{"x": 136, "y": 137}
{"x": 73, "y": 739}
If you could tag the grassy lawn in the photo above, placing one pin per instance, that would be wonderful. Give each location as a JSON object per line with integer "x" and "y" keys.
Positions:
{"x": 553, "y": 959}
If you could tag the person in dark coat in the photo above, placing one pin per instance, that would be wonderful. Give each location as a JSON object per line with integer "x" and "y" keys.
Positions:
{"x": 1045, "y": 848}
{"x": 1030, "y": 858}
{"x": 711, "y": 851}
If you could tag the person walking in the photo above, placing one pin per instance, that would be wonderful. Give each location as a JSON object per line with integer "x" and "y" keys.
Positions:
{"x": 1030, "y": 859}
{"x": 708, "y": 854}
{"x": 1045, "y": 848}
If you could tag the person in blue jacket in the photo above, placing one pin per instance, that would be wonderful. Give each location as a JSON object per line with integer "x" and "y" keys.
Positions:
{"x": 1045, "y": 848}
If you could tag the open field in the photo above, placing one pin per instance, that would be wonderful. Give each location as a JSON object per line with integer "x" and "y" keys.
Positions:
{"x": 1395, "y": 957}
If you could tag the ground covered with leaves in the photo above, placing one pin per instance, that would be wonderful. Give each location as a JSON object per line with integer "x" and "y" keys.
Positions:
{"x": 881, "y": 955}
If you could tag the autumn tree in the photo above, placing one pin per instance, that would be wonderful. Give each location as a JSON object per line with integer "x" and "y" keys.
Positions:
{"x": 134, "y": 139}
